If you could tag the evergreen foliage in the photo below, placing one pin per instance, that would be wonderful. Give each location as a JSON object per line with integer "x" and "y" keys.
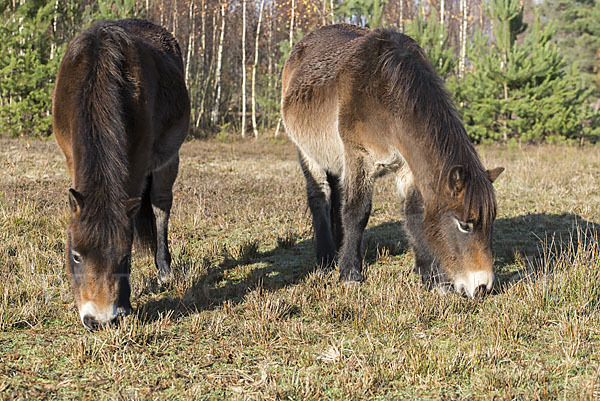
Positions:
{"x": 543, "y": 86}
{"x": 34, "y": 37}
{"x": 521, "y": 91}
{"x": 433, "y": 37}
{"x": 26, "y": 69}
{"x": 578, "y": 35}
{"x": 367, "y": 13}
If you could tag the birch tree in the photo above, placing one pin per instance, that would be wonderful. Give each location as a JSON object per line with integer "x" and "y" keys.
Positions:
{"x": 464, "y": 15}
{"x": 256, "y": 48}
{"x": 244, "y": 68}
{"x": 215, "y": 111}
{"x": 190, "y": 50}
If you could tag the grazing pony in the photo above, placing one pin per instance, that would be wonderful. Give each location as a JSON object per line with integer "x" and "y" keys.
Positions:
{"x": 120, "y": 113}
{"x": 359, "y": 104}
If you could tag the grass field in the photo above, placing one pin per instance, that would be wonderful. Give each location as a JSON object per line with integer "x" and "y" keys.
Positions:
{"x": 247, "y": 317}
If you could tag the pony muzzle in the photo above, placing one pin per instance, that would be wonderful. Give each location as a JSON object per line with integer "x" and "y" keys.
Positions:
{"x": 94, "y": 318}
{"x": 474, "y": 284}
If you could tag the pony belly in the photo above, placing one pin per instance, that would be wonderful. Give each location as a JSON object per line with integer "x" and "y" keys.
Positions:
{"x": 322, "y": 146}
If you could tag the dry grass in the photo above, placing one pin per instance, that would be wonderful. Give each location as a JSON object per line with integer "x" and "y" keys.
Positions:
{"x": 246, "y": 317}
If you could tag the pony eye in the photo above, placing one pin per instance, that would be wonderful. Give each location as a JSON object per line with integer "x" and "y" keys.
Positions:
{"x": 464, "y": 227}
{"x": 76, "y": 257}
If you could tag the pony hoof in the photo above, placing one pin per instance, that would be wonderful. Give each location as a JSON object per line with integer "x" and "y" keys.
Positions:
{"x": 352, "y": 277}
{"x": 164, "y": 276}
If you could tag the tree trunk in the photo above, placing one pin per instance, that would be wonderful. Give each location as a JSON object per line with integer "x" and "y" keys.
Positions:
{"x": 243, "y": 68}
{"x": 215, "y": 111}
{"x": 175, "y": 19}
{"x": 464, "y": 10}
{"x": 292, "y": 23}
{"x": 162, "y": 12}
{"x": 331, "y": 11}
{"x": 401, "y": 17}
{"x": 203, "y": 37}
{"x": 53, "y": 43}
{"x": 260, "y": 13}
{"x": 269, "y": 48}
{"x": 208, "y": 84}
{"x": 190, "y": 50}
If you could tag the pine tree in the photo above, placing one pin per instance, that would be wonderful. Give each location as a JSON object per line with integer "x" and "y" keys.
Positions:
{"x": 578, "y": 35}
{"x": 363, "y": 12}
{"x": 433, "y": 37}
{"x": 520, "y": 91}
{"x": 26, "y": 69}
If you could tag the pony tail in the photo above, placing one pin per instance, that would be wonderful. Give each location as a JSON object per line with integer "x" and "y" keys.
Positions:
{"x": 145, "y": 223}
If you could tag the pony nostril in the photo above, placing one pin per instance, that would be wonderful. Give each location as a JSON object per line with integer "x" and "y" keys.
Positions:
{"x": 124, "y": 311}
{"x": 90, "y": 323}
{"x": 480, "y": 291}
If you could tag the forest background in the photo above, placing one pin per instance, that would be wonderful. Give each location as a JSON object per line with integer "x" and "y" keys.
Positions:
{"x": 519, "y": 70}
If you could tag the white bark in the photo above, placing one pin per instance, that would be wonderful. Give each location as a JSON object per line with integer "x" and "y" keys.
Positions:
{"x": 331, "y": 11}
{"x": 175, "y": 19}
{"x": 269, "y": 48}
{"x": 401, "y": 17}
{"x": 190, "y": 50}
{"x": 464, "y": 11}
{"x": 203, "y": 37}
{"x": 260, "y": 13}
{"x": 53, "y": 45}
{"x": 243, "y": 68}
{"x": 162, "y": 12}
{"x": 215, "y": 111}
{"x": 292, "y": 23}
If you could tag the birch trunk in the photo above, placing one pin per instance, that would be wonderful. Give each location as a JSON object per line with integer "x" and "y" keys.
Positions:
{"x": 53, "y": 44}
{"x": 243, "y": 68}
{"x": 464, "y": 10}
{"x": 203, "y": 37}
{"x": 269, "y": 48}
{"x": 331, "y": 11}
{"x": 209, "y": 73}
{"x": 175, "y": 19}
{"x": 401, "y": 17}
{"x": 190, "y": 50}
{"x": 260, "y": 13}
{"x": 162, "y": 12}
{"x": 215, "y": 111}
{"x": 292, "y": 23}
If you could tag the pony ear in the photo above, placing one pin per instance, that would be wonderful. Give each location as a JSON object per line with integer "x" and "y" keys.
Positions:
{"x": 456, "y": 180}
{"x": 132, "y": 205}
{"x": 75, "y": 201}
{"x": 494, "y": 173}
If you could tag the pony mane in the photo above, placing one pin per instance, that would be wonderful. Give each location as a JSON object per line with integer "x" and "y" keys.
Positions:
{"x": 101, "y": 135}
{"x": 411, "y": 86}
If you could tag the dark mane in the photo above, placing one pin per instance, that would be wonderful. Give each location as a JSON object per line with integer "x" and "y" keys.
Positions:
{"x": 101, "y": 128}
{"x": 413, "y": 88}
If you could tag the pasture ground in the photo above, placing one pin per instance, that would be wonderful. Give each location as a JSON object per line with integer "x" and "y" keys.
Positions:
{"x": 247, "y": 317}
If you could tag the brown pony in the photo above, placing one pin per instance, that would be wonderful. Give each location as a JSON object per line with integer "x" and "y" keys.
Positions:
{"x": 359, "y": 104}
{"x": 120, "y": 113}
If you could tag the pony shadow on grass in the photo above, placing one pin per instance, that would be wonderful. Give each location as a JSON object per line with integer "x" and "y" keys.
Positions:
{"x": 522, "y": 238}
{"x": 288, "y": 264}
{"x": 526, "y": 241}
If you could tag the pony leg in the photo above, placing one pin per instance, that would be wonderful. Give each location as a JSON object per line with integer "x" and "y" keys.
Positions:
{"x": 336, "y": 210}
{"x": 319, "y": 203}
{"x": 425, "y": 264}
{"x": 161, "y": 197}
{"x": 356, "y": 209}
